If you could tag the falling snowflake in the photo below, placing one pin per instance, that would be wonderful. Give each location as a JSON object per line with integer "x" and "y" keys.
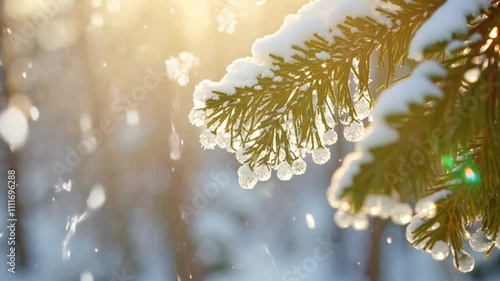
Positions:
{"x": 63, "y": 186}
{"x": 178, "y": 67}
{"x": 226, "y": 21}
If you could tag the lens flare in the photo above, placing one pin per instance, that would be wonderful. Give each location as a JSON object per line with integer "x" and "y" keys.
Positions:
{"x": 471, "y": 176}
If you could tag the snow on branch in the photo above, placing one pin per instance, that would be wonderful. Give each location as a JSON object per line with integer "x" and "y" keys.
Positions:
{"x": 317, "y": 17}
{"x": 284, "y": 101}
{"x": 394, "y": 101}
{"x": 449, "y": 20}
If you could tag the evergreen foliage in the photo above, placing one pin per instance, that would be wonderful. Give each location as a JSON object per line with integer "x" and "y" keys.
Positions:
{"x": 445, "y": 159}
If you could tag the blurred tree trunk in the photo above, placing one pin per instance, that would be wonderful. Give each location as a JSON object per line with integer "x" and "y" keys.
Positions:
{"x": 102, "y": 167}
{"x": 372, "y": 269}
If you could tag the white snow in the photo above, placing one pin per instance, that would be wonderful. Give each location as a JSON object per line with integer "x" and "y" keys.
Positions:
{"x": 320, "y": 17}
{"x": 401, "y": 213}
{"x": 395, "y": 100}
{"x": 426, "y": 207}
{"x": 63, "y": 186}
{"x": 202, "y": 93}
{"x": 323, "y": 55}
{"x": 241, "y": 73}
{"x": 226, "y": 20}
{"x": 96, "y": 198}
{"x": 476, "y": 37}
{"x": 354, "y": 132}
{"x": 448, "y": 20}
{"x": 14, "y": 127}
{"x": 71, "y": 229}
{"x": 34, "y": 113}
{"x": 310, "y": 221}
{"x": 208, "y": 140}
{"x": 178, "y": 67}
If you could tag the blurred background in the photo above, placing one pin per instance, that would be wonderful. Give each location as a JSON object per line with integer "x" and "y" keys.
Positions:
{"x": 113, "y": 184}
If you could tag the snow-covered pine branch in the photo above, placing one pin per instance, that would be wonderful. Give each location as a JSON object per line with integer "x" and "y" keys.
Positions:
{"x": 416, "y": 148}
{"x": 286, "y": 100}
{"x": 435, "y": 136}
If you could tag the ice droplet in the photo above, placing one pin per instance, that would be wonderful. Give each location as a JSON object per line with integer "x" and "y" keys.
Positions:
{"x": 362, "y": 108}
{"x": 343, "y": 219}
{"x": 285, "y": 172}
{"x": 299, "y": 166}
{"x": 372, "y": 205}
{"x": 401, "y": 213}
{"x": 479, "y": 242}
{"x": 330, "y": 137}
{"x": 354, "y": 132}
{"x": 360, "y": 222}
{"x": 345, "y": 119}
{"x": 440, "y": 251}
{"x": 463, "y": 262}
{"x": 263, "y": 172}
{"x": 246, "y": 177}
{"x": 386, "y": 204}
{"x": 421, "y": 245}
{"x": 320, "y": 156}
{"x": 425, "y": 208}
{"x": 415, "y": 222}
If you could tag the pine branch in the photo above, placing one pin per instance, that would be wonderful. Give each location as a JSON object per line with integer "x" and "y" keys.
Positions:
{"x": 460, "y": 151}
{"x": 435, "y": 135}
{"x": 287, "y": 110}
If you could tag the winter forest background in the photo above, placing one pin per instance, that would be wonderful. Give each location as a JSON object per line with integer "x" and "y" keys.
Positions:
{"x": 148, "y": 203}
